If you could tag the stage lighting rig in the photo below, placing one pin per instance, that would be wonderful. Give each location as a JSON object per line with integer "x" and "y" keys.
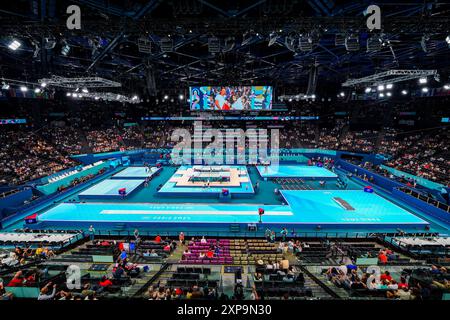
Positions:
{"x": 106, "y": 96}
{"x": 82, "y": 82}
{"x": 389, "y": 77}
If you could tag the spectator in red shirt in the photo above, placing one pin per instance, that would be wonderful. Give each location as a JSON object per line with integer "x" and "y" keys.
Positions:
{"x": 105, "y": 282}
{"x": 382, "y": 258}
{"x": 386, "y": 276}
{"x": 403, "y": 284}
{"x": 17, "y": 281}
{"x": 158, "y": 239}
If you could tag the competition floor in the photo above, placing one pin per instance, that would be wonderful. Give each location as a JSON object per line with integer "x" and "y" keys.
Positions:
{"x": 136, "y": 173}
{"x": 303, "y": 208}
{"x": 294, "y": 171}
{"x": 110, "y": 189}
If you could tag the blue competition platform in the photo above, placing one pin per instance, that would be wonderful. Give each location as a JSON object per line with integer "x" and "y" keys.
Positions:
{"x": 294, "y": 171}
{"x": 305, "y": 208}
{"x": 325, "y": 207}
{"x": 109, "y": 189}
{"x": 244, "y": 189}
{"x": 139, "y": 173}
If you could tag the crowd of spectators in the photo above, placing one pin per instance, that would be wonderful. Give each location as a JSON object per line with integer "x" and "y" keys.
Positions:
{"x": 424, "y": 155}
{"x": 43, "y": 146}
{"x": 64, "y": 138}
{"x": 103, "y": 140}
{"x": 359, "y": 141}
{"x": 26, "y": 156}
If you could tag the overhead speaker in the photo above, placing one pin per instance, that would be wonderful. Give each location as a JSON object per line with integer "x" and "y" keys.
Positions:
{"x": 213, "y": 45}
{"x": 339, "y": 39}
{"x": 352, "y": 42}
{"x": 166, "y": 45}
{"x": 305, "y": 43}
{"x": 374, "y": 44}
{"x": 144, "y": 45}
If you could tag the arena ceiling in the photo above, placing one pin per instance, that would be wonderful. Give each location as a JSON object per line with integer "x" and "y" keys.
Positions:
{"x": 259, "y": 40}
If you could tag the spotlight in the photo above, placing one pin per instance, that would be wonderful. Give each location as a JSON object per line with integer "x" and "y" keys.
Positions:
{"x": 68, "y": 94}
{"x": 425, "y": 89}
{"x": 85, "y": 90}
{"x": 74, "y": 95}
{"x": 14, "y": 45}
{"x": 43, "y": 84}
{"x": 368, "y": 90}
{"x": 229, "y": 44}
{"x": 273, "y": 37}
{"x": 447, "y": 39}
{"x": 134, "y": 98}
{"x": 404, "y": 92}
{"x": 37, "y": 90}
{"x": 388, "y": 94}
{"x": 166, "y": 97}
{"x": 5, "y": 86}
{"x": 423, "y": 80}
{"x": 424, "y": 43}
{"x": 342, "y": 94}
{"x": 389, "y": 86}
{"x": 96, "y": 98}
{"x": 380, "y": 87}
{"x": 65, "y": 50}
{"x": 447, "y": 86}
{"x": 381, "y": 95}
{"x": 313, "y": 96}
{"x": 181, "y": 97}
{"x": 23, "y": 89}
{"x": 290, "y": 99}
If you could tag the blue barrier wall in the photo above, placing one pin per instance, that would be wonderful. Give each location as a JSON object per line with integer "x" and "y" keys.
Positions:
{"x": 13, "y": 214}
{"x": 422, "y": 181}
{"x": 422, "y": 206}
{"x": 14, "y": 200}
{"x": 379, "y": 180}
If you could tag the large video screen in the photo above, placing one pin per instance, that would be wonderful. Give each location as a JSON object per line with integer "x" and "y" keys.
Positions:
{"x": 231, "y": 98}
